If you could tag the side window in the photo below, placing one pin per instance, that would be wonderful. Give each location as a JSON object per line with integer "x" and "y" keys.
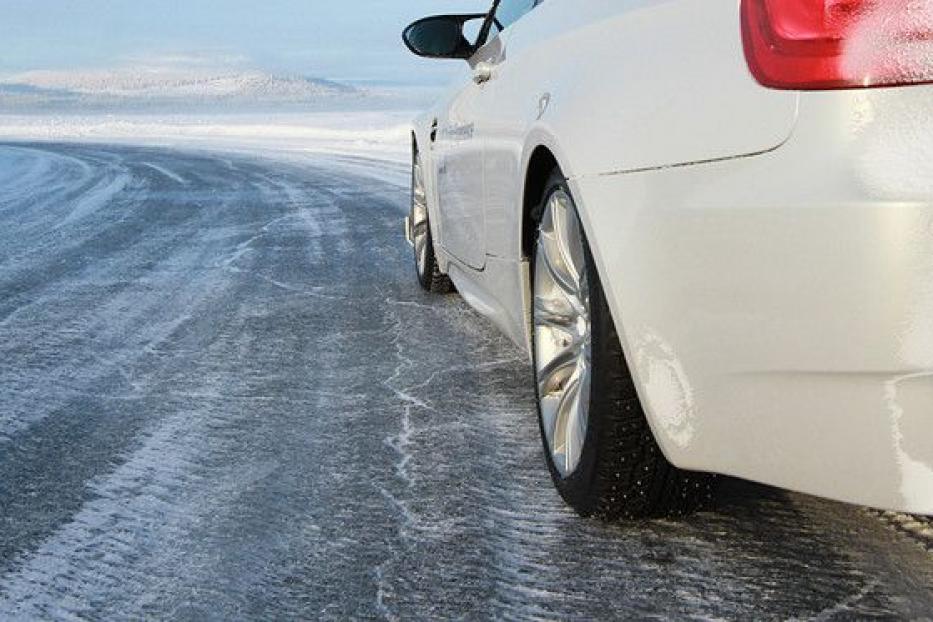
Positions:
{"x": 510, "y": 11}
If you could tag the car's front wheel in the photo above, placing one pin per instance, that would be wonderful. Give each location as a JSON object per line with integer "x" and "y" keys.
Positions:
{"x": 429, "y": 274}
{"x": 600, "y": 450}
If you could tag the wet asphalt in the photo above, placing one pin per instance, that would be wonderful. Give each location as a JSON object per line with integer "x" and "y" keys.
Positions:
{"x": 223, "y": 396}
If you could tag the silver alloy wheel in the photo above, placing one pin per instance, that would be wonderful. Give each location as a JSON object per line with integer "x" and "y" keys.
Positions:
{"x": 562, "y": 332}
{"x": 419, "y": 217}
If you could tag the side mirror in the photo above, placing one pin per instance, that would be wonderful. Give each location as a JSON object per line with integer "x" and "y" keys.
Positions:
{"x": 441, "y": 36}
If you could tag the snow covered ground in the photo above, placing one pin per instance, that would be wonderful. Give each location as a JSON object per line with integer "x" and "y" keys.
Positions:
{"x": 382, "y": 135}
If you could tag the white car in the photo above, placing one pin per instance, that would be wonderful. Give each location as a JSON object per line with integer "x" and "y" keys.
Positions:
{"x": 710, "y": 223}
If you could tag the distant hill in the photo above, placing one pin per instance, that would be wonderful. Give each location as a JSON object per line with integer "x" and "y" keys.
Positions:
{"x": 155, "y": 88}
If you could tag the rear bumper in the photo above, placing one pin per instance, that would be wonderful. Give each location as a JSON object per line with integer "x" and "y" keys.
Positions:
{"x": 777, "y": 310}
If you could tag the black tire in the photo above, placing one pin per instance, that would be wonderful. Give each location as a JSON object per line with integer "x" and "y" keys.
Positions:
{"x": 433, "y": 280}
{"x": 622, "y": 473}
{"x": 429, "y": 273}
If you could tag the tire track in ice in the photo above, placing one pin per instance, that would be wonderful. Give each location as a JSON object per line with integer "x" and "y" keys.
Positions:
{"x": 179, "y": 511}
{"x": 144, "y": 260}
{"x": 117, "y": 347}
{"x": 96, "y": 197}
{"x": 919, "y": 528}
{"x": 168, "y": 173}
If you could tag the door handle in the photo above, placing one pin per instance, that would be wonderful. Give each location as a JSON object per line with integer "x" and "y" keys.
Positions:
{"x": 482, "y": 73}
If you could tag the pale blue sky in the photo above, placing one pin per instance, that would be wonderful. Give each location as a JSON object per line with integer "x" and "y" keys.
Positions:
{"x": 348, "y": 39}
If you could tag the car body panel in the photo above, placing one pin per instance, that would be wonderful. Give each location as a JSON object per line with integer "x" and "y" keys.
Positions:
{"x": 458, "y": 158}
{"x": 777, "y": 310}
{"x": 617, "y": 108}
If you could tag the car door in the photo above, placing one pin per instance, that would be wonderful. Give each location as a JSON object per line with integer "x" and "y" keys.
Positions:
{"x": 462, "y": 137}
{"x": 458, "y": 156}
{"x": 505, "y": 116}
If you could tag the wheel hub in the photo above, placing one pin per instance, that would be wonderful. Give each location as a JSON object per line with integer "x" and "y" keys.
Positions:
{"x": 562, "y": 332}
{"x": 419, "y": 217}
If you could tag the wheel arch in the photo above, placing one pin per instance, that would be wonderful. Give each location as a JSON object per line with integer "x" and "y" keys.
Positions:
{"x": 542, "y": 160}
{"x": 541, "y": 163}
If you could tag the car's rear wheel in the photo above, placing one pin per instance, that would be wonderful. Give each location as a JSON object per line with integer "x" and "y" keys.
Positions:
{"x": 429, "y": 274}
{"x": 600, "y": 450}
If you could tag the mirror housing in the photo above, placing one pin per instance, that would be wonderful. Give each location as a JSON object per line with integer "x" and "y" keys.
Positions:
{"x": 441, "y": 36}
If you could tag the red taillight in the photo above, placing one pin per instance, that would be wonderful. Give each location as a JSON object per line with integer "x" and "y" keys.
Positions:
{"x": 834, "y": 44}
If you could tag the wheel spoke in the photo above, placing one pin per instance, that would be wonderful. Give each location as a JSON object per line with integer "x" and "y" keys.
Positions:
{"x": 419, "y": 217}
{"x": 567, "y": 404}
{"x": 549, "y": 406}
{"x": 549, "y": 312}
{"x": 578, "y": 420}
{"x": 569, "y": 238}
{"x": 556, "y": 269}
{"x": 420, "y": 198}
{"x": 421, "y": 245}
{"x": 423, "y": 256}
{"x": 554, "y": 372}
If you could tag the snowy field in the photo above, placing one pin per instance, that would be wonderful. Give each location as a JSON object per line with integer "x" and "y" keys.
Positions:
{"x": 375, "y": 142}
{"x": 383, "y": 135}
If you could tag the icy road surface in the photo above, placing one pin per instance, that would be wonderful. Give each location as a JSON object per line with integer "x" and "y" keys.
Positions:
{"x": 224, "y": 397}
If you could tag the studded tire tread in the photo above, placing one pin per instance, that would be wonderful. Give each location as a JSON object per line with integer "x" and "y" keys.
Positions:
{"x": 437, "y": 282}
